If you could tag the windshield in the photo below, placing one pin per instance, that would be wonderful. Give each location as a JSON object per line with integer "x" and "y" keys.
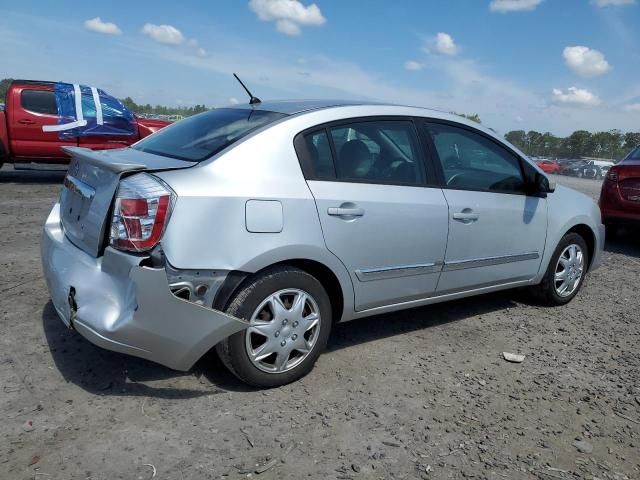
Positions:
{"x": 201, "y": 136}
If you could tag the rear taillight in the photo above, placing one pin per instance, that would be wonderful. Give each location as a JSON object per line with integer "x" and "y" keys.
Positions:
{"x": 613, "y": 174}
{"x": 140, "y": 213}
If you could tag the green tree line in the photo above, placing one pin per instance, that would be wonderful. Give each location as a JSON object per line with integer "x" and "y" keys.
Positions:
{"x": 161, "y": 109}
{"x": 4, "y": 86}
{"x": 613, "y": 144}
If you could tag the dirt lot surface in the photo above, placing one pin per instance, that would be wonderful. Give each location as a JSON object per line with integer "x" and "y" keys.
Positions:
{"x": 423, "y": 393}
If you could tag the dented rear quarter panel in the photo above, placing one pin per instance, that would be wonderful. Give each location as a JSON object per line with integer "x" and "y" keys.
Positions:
{"x": 208, "y": 230}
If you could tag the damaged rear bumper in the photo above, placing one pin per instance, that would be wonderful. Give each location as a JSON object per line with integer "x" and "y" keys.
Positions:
{"x": 119, "y": 305}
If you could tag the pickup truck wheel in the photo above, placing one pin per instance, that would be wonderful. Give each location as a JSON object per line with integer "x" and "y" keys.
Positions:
{"x": 289, "y": 315}
{"x": 565, "y": 273}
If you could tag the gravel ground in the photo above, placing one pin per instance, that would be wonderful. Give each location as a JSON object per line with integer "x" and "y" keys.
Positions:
{"x": 423, "y": 393}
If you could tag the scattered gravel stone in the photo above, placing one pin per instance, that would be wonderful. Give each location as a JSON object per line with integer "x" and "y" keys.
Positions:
{"x": 583, "y": 446}
{"x": 513, "y": 357}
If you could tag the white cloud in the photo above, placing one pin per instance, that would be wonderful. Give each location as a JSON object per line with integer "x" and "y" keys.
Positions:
{"x": 163, "y": 33}
{"x": 201, "y": 52}
{"x": 585, "y": 61}
{"x": 97, "y": 25}
{"x": 576, "y": 96}
{"x": 504, "y": 6}
{"x": 413, "y": 66}
{"x": 633, "y": 107}
{"x": 443, "y": 44}
{"x": 465, "y": 84}
{"x": 233, "y": 101}
{"x": 289, "y": 15}
{"x": 288, "y": 27}
{"x": 612, "y": 3}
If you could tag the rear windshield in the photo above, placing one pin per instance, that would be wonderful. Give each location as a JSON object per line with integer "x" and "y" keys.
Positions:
{"x": 634, "y": 155}
{"x": 201, "y": 136}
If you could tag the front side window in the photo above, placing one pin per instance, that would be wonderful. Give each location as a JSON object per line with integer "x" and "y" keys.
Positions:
{"x": 367, "y": 151}
{"x": 39, "y": 101}
{"x": 197, "y": 138}
{"x": 471, "y": 161}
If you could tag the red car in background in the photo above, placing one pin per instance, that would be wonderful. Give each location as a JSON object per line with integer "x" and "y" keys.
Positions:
{"x": 549, "y": 166}
{"x": 620, "y": 194}
{"x": 29, "y": 106}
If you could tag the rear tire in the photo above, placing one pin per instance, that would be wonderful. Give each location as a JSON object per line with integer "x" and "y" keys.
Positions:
{"x": 566, "y": 272}
{"x": 290, "y": 316}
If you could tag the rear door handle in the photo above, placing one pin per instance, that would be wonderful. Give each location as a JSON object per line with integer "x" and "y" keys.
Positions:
{"x": 466, "y": 216}
{"x": 26, "y": 121}
{"x": 345, "y": 212}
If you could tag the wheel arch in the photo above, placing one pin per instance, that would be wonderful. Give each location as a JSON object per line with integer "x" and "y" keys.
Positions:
{"x": 337, "y": 284}
{"x": 589, "y": 236}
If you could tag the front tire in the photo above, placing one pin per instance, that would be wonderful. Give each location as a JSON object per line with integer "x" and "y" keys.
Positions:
{"x": 565, "y": 273}
{"x": 289, "y": 313}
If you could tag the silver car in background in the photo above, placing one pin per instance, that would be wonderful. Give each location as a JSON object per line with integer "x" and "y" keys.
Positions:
{"x": 253, "y": 229}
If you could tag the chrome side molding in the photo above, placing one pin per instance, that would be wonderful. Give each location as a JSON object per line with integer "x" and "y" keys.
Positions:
{"x": 369, "y": 274}
{"x": 488, "y": 261}
{"x": 381, "y": 273}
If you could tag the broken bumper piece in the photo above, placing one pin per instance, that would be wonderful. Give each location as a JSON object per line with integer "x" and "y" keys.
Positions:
{"x": 119, "y": 305}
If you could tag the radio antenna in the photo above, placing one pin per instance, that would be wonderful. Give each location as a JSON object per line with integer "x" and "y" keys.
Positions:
{"x": 252, "y": 100}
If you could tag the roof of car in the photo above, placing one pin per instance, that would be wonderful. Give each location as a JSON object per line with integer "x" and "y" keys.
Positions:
{"x": 294, "y": 107}
{"x": 291, "y": 107}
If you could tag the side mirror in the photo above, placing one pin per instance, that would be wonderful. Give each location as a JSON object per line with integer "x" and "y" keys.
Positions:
{"x": 543, "y": 185}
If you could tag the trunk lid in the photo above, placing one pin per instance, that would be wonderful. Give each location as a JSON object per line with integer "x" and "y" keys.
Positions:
{"x": 90, "y": 185}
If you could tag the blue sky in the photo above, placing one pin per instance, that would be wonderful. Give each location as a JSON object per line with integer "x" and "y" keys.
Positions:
{"x": 548, "y": 65}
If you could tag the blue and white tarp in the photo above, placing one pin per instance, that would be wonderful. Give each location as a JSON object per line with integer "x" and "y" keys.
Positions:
{"x": 85, "y": 111}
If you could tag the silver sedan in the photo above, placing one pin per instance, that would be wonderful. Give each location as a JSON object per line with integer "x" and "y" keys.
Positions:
{"x": 254, "y": 229}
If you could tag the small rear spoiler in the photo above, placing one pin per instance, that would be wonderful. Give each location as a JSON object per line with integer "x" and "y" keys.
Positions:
{"x": 100, "y": 158}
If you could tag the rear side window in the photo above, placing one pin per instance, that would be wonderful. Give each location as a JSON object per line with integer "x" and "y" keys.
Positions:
{"x": 39, "y": 101}
{"x": 471, "y": 161}
{"x": 367, "y": 152}
{"x": 319, "y": 151}
{"x": 201, "y": 136}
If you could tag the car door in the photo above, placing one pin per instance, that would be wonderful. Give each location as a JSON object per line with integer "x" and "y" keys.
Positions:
{"x": 33, "y": 107}
{"x": 497, "y": 233}
{"x": 378, "y": 214}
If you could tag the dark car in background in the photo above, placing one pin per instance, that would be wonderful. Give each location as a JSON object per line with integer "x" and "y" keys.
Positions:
{"x": 583, "y": 169}
{"x": 620, "y": 194}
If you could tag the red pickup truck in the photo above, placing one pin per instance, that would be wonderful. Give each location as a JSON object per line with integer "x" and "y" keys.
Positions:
{"x": 30, "y": 105}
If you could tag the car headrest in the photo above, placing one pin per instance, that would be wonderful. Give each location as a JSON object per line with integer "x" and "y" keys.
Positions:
{"x": 353, "y": 155}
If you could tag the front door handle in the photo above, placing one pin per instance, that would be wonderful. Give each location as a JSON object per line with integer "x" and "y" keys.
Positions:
{"x": 26, "y": 121}
{"x": 345, "y": 212}
{"x": 466, "y": 216}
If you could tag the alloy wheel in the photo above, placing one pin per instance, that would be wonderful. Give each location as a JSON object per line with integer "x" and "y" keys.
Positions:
{"x": 569, "y": 270}
{"x": 282, "y": 331}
